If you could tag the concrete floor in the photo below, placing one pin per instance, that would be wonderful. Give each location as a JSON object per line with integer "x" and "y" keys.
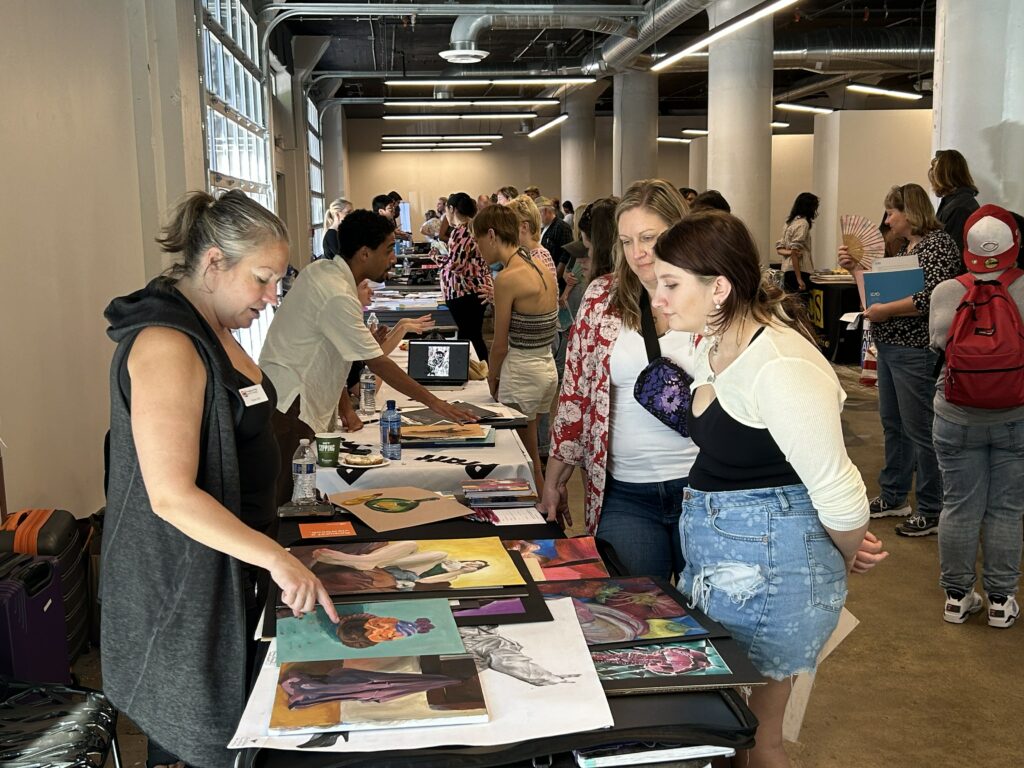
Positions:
{"x": 905, "y": 689}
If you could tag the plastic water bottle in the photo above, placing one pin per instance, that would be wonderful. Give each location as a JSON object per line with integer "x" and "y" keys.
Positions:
{"x": 372, "y": 322}
{"x": 304, "y": 474}
{"x": 367, "y": 394}
{"x": 391, "y": 432}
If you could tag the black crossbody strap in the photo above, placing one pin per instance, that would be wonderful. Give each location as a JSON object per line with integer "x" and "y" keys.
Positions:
{"x": 647, "y": 328}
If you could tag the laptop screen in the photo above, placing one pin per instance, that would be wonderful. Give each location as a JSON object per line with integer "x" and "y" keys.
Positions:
{"x": 436, "y": 362}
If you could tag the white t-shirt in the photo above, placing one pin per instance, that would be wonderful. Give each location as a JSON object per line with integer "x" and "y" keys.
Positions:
{"x": 640, "y": 448}
{"x": 317, "y": 333}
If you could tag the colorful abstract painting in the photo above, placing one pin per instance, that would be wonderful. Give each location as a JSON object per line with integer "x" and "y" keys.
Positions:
{"x": 369, "y": 630}
{"x": 626, "y": 610}
{"x": 405, "y": 566}
{"x": 560, "y": 559}
{"x": 360, "y": 694}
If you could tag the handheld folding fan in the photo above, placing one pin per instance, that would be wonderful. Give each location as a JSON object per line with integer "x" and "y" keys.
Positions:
{"x": 862, "y": 239}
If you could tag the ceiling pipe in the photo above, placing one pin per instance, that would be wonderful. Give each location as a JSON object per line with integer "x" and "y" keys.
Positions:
{"x": 659, "y": 18}
{"x": 865, "y": 51}
{"x": 811, "y": 88}
{"x": 467, "y": 29}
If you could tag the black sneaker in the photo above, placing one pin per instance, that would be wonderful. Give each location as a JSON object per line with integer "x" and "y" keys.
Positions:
{"x": 918, "y": 525}
{"x": 878, "y": 508}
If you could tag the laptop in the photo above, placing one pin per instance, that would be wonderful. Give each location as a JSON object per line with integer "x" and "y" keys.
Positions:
{"x": 439, "y": 364}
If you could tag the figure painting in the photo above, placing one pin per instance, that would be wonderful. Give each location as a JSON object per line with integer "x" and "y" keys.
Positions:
{"x": 369, "y": 630}
{"x": 696, "y": 657}
{"x": 393, "y": 692}
{"x": 560, "y": 559}
{"x": 492, "y": 649}
{"x": 625, "y": 610}
{"x": 405, "y": 566}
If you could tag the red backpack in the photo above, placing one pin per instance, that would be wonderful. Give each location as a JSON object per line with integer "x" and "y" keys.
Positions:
{"x": 985, "y": 347}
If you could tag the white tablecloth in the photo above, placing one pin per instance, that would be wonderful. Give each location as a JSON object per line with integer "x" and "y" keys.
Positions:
{"x": 436, "y": 469}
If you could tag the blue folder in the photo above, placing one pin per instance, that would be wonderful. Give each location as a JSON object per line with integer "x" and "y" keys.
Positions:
{"x": 882, "y": 287}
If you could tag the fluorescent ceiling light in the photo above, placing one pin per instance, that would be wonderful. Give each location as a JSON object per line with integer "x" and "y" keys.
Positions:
{"x": 778, "y": 124}
{"x": 451, "y": 137}
{"x": 495, "y": 81}
{"x": 474, "y": 103}
{"x": 550, "y": 124}
{"x": 695, "y": 132}
{"x": 873, "y": 91}
{"x": 403, "y": 145}
{"x": 434, "y": 149}
{"x": 739, "y": 22}
{"x": 466, "y": 116}
{"x": 803, "y": 108}
{"x": 673, "y": 140}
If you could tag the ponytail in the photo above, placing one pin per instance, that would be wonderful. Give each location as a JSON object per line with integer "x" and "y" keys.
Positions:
{"x": 234, "y": 223}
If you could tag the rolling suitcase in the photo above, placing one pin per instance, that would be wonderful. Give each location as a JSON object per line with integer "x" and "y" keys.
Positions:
{"x": 33, "y": 638}
{"x": 55, "y": 533}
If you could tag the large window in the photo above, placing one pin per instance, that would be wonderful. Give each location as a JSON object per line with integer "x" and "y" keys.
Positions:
{"x": 235, "y": 119}
{"x": 236, "y": 126}
{"x": 316, "y": 180}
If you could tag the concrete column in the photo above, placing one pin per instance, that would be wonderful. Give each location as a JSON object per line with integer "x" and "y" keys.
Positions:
{"x": 579, "y": 176}
{"x": 335, "y": 148}
{"x": 978, "y": 105}
{"x": 698, "y": 178}
{"x": 739, "y": 119}
{"x": 635, "y": 129}
{"x": 168, "y": 114}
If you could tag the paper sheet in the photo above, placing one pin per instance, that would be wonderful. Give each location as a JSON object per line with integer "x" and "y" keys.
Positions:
{"x": 519, "y": 711}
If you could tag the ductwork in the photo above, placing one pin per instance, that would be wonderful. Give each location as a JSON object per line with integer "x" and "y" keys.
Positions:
{"x": 864, "y": 50}
{"x": 811, "y": 88}
{"x": 467, "y": 29}
{"x": 660, "y": 18}
{"x": 538, "y": 69}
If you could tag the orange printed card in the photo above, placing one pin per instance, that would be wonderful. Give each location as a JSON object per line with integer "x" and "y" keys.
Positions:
{"x": 325, "y": 530}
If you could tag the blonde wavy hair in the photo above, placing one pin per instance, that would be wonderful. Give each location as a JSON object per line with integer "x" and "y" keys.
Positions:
{"x": 526, "y": 210}
{"x": 336, "y": 211}
{"x": 658, "y": 197}
{"x": 913, "y": 201}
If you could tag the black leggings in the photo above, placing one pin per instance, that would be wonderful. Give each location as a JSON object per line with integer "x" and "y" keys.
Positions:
{"x": 468, "y": 314}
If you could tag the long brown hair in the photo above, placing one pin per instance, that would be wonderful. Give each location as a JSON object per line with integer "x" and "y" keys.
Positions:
{"x": 713, "y": 243}
{"x": 661, "y": 198}
{"x": 949, "y": 172}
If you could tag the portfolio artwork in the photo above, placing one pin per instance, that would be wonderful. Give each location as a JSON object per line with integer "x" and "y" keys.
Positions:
{"x": 393, "y": 508}
{"x": 398, "y": 692}
{"x": 404, "y": 566}
{"x": 560, "y": 559}
{"x": 627, "y": 610}
{"x": 672, "y": 667}
{"x": 369, "y": 630}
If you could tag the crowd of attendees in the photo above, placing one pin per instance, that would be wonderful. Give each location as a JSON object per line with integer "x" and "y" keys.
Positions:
{"x": 646, "y": 346}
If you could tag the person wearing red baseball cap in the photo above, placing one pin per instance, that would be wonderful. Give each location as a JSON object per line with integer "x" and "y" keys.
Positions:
{"x": 979, "y": 448}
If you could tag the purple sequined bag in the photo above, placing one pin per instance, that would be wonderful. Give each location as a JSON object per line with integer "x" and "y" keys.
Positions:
{"x": 663, "y": 387}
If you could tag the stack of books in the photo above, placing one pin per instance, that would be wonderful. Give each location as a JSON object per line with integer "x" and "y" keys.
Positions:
{"x": 498, "y": 494}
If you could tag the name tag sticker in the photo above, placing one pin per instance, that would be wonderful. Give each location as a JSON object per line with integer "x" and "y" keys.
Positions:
{"x": 253, "y": 395}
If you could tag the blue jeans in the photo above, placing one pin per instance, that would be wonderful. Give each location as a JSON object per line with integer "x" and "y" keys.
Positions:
{"x": 983, "y": 481}
{"x": 760, "y": 563}
{"x": 641, "y": 521}
{"x": 906, "y": 386}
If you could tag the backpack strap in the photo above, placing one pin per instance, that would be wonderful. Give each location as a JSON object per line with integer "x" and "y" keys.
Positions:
{"x": 1010, "y": 276}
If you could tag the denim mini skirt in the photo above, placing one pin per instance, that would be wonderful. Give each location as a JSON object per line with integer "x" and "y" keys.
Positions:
{"x": 760, "y": 563}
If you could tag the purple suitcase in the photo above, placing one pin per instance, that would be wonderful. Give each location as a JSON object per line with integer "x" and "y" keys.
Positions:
{"x": 33, "y": 633}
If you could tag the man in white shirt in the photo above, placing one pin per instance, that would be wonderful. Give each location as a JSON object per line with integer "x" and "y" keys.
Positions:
{"x": 318, "y": 332}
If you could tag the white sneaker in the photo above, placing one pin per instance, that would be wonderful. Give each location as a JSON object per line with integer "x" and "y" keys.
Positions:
{"x": 960, "y": 606}
{"x": 1002, "y": 611}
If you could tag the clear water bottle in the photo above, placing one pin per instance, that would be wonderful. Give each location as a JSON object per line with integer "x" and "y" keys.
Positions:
{"x": 391, "y": 432}
{"x": 304, "y": 474}
{"x": 372, "y": 322}
{"x": 367, "y": 394}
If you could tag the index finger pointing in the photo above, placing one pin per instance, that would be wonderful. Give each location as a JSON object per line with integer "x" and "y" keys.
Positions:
{"x": 328, "y": 605}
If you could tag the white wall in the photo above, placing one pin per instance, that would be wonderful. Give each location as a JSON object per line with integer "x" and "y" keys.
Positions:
{"x": 792, "y": 162}
{"x": 72, "y": 240}
{"x": 858, "y": 156}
